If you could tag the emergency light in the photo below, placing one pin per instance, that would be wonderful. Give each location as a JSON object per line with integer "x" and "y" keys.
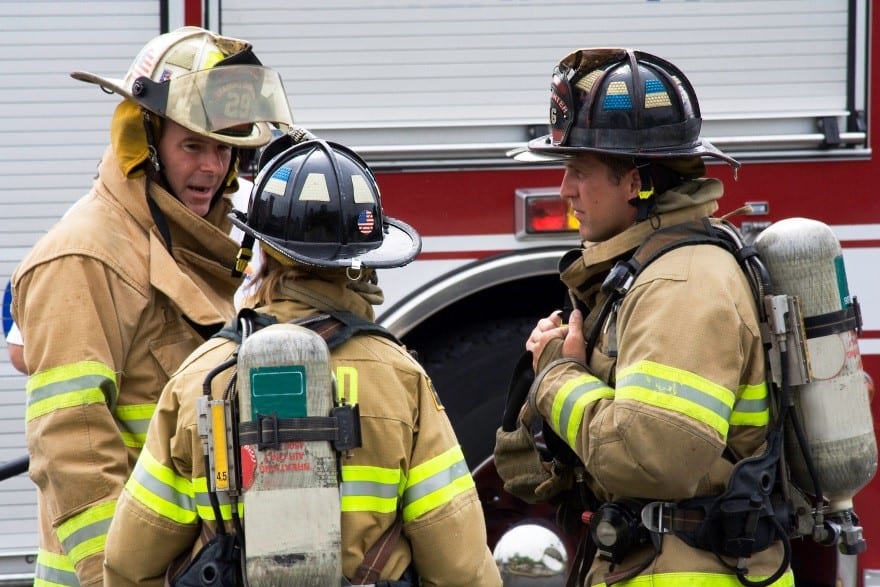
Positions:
{"x": 540, "y": 211}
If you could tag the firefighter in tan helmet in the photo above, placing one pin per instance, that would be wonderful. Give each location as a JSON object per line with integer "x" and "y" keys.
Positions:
{"x": 134, "y": 277}
{"x": 405, "y": 491}
{"x": 655, "y": 387}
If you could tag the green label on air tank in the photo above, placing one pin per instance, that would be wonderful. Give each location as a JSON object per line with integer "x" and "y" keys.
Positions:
{"x": 279, "y": 390}
{"x": 842, "y": 287}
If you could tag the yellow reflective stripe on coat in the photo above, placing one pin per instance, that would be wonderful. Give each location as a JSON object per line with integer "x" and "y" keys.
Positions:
{"x": 370, "y": 489}
{"x": 159, "y": 489}
{"x": 203, "y": 501}
{"x": 133, "y": 422}
{"x": 435, "y": 483}
{"x": 85, "y": 534}
{"x": 698, "y": 580}
{"x": 752, "y": 408}
{"x": 76, "y": 384}
{"x": 678, "y": 390}
{"x": 569, "y": 403}
{"x": 53, "y": 569}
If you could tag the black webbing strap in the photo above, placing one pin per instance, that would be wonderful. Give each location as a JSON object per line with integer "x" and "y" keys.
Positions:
{"x": 624, "y": 273}
{"x": 850, "y": 318}
{"x": 341, "y": 428}
{"x": 663, "y": 240}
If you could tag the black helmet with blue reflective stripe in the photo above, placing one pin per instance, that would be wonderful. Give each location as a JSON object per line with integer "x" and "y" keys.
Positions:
{"x": 623, "y": 102}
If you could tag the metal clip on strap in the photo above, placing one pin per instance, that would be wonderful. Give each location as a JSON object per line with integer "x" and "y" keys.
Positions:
{"x": 653, "y": 517}
{"x": 664, "y": 517}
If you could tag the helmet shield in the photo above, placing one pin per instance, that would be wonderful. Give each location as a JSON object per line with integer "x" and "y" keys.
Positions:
{"x": 623, "y": 102}
{"x": 227, "y": 100}
{"x": 318, "y": 203}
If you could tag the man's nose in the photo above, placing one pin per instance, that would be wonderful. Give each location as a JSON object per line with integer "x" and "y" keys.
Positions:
{"x": 212, "y": 160}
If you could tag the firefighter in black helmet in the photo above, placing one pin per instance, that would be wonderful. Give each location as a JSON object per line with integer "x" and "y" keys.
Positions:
{"x": 655, "y": 388}
{"x": 316, "y": 212}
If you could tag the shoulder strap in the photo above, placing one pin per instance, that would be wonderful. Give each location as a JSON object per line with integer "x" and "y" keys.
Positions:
{"x": 624, "y": 273}
{"x": 337, "y": 327}
{"x": 255, "y": 320}
{"x": 334, "y": 327}
{"x": 695, "y": 232}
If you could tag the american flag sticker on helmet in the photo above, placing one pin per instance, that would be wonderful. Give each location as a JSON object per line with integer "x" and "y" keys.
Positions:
{"x": 365, "y": 222}
{"x": 277, "y": 184}
{"x": 143, "y": 66}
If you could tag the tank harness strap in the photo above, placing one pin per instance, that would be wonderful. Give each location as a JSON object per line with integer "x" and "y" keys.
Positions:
{"x": 341, "y": 428}
{"x": 850, "y": 318}
{"x": 624, "y": 273}
{"x": 254, "y": 320}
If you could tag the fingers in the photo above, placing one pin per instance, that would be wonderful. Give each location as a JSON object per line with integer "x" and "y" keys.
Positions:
{"x": 573, "y": 345}
{"x": 554, "y": 320}
{"x": 546, "y": 330}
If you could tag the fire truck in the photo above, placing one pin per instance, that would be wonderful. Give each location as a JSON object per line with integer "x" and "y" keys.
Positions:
{"x": 436, "y": 95}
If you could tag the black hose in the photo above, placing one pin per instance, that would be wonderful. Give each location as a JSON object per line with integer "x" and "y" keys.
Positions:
{"x": 14, "y": 467}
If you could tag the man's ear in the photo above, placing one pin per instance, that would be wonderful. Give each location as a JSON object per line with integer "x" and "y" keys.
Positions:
{"x": 633, "y": 182}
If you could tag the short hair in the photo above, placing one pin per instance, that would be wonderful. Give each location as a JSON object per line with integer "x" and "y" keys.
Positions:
{"x": 618, "y": 165}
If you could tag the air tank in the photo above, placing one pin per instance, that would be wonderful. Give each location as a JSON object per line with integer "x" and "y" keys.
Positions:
{"x": 804, "y": 259}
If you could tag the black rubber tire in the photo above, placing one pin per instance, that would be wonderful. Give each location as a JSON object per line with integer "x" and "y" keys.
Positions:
{"x": 470, "y": 367}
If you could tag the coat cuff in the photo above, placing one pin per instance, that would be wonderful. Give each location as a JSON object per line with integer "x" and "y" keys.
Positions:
{"x": 542, "y": 374}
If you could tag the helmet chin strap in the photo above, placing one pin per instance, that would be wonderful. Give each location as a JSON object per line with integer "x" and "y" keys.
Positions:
{"x": 151, "y": 141}
{"x": 154, "y": 173}
{"x": 646, "y": 202}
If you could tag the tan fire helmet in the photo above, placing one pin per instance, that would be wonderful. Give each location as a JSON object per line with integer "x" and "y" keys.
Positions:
{"x": 210, "y": 84}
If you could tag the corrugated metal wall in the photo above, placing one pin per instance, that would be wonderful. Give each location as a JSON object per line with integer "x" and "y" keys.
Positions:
{"x": 759, "y": 66}
{"x": 53, "y": 130}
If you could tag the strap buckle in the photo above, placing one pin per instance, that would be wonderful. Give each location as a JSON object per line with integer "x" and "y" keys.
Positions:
{"x": 267, "y": 432}
{"x": 657, "y": 516}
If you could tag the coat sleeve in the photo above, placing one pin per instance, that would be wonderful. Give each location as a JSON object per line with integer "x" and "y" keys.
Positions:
{"x": 659, "y": 430}
{"x": 156, "y": 519}
{"x": 443, "y": 518}
{"x": 75, "y": 347}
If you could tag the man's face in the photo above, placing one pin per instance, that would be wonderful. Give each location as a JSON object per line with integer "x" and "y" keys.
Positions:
{"x": 597, "y": 199}
{"x": 195, "y": 166}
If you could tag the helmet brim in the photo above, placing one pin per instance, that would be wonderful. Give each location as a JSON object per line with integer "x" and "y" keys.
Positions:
{"x": 542, "y": 149}
{"x": 401, "y": 244}
{"x": 259, "y": 136}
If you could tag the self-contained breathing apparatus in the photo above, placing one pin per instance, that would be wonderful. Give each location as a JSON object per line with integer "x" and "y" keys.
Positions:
{"x": 816, "y": 457}
{"x": 271, "y": 445}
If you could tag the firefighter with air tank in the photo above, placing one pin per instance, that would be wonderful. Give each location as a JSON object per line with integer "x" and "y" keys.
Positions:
{"x": 661, "y": 428}
{"x": 405, "y": 511}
